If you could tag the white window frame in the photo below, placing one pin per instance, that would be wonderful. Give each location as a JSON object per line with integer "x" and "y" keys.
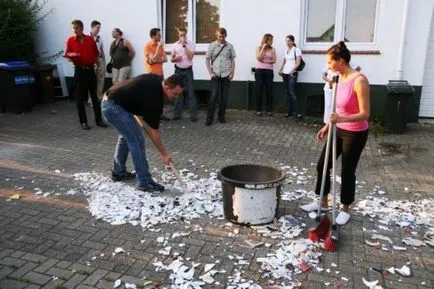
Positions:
{"x": 340, "y": 17}
{"x": 191, "y": 20}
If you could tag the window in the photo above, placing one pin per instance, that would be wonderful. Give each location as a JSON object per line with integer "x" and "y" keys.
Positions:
{"x": 200, "y": 17}
{"x": 330, "y": 21}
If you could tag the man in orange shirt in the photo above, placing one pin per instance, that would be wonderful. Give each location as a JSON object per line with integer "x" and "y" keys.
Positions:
{"x": 81, "y": 50}
{"x": 155, "y": 56}
{"x": 154, "y": 53}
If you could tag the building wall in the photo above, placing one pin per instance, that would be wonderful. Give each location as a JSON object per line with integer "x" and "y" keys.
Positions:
{"x": 246, "y": 22}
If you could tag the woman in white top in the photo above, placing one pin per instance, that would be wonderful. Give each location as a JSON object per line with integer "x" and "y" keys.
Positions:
{"x": 288, "y": 71}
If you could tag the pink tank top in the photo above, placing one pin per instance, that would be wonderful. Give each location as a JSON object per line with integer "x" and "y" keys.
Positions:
{"x": 268, "y": 55}
{"x": 347, "y": 104}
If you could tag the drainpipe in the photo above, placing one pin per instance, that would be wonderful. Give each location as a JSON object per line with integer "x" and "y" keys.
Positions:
{"x": 399, "y": 71}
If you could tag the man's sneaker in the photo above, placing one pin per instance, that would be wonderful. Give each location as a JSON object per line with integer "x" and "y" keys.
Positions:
{"x": 312, "y": 207}
{"x": 151, "y": 187}
{"x": 125, "y": 177}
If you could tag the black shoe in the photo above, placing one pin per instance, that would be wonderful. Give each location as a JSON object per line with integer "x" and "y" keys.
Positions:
{"x": 287, "y": 115}
{"x": 85, "y": 126}
{"x": 125, "y": 177}
{"x": 222, "y": 120}
{"x": 299, "y": 116}
{"x": 151, "y": 187}
{"x": 194, "y": 119}
{"x": 208, "y": 123}
{"x": 163, "y": 117}
{"x": 101, "y": 124}
{"x": 176, "y": 118}
{"x": 258, "y": 113}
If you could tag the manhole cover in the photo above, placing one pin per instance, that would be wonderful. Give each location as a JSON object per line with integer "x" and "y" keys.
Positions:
{"x": 388, "y": 149}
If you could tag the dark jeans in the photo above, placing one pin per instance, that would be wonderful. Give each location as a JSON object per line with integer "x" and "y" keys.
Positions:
{"x": 219, "y": 92}
{"x": 350, "y": 144}
{"x": 290, "y": 81}
{"x": 86, "y": 85}
{"x": 264, "y": 79}
{"x": 188, "y": 91}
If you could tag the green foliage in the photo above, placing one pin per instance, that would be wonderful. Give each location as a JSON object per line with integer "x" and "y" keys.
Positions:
{"x": 19, "y": 20}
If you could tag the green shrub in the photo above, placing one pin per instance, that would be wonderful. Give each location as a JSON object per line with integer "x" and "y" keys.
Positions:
{"x": 19, "y": 20}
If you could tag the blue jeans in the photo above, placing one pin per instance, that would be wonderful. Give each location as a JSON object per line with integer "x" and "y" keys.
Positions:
{"x": 188, "y": 91}
{"x": 219, "y": 92}
{"x": 290, "y": 81}
{"x": 130, "y": 139}
{"x": 264, "y": 79}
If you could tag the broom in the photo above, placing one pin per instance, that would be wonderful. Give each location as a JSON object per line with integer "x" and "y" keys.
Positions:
{"x": 171, "y": 165}
{"x": 333, "y": 233}
{"x": 321, "y": 230}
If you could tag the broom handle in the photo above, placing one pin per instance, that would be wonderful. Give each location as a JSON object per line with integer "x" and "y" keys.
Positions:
{"x": 334, "y": 153}
{"x": 176, "y": 173}
{"x": 324, "y": 170}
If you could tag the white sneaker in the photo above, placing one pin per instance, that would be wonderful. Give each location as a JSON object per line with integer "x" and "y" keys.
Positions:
{"x": 342, "y": 218}
{"x": 312, "y": 207}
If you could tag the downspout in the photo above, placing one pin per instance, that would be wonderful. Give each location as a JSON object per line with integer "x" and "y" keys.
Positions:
{"x": 399, "y": 75}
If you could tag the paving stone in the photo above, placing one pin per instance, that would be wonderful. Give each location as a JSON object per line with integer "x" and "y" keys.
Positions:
{"x": 32, "y": 286}
{"x": 5, "y": 253}
{"x": 23, "y": 270}
{"x": 34, "y": 258}
{"x": 95, "y": 277}
{"x": 5, "y": 271}
{"x": 53, "y": 284}
{"x": 74, "y": 280}
{"x": 46, "y": 265}
{"x": 17, "y": 254}
{"x": 37, "y": 278}
{"x": 63, "y": 274}
{"x": 63, "y": 264}
{"x": 13, "y": 262}
{"x": 12, "y": 284}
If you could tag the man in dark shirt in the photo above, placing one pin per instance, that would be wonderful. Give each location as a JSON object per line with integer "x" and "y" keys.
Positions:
{"x": 81, "y": 50}
{"x": 142, "y": 96}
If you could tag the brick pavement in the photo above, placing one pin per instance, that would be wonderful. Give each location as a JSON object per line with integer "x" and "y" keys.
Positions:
{"x": 56, "y": 236}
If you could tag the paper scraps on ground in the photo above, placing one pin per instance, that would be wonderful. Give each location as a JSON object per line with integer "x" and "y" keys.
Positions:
{"x": 371, "y": 284}
{"x": 404, "y": 213}
{"x": 119, "y": 203}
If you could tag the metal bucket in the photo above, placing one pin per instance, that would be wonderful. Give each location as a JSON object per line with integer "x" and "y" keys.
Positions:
{"x": 251, "y": 193}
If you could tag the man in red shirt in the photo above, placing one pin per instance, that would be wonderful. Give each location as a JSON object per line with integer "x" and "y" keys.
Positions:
{"x": 81, "y": 50}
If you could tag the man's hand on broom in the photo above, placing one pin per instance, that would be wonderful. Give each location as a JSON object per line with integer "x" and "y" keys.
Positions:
{"x": 166, "y": 158}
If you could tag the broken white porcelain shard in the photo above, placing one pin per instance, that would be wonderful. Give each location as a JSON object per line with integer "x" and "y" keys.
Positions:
{"x": 117, "y": 283}
{"x": 413, "y": 242}
{"x": 404, "y": 271}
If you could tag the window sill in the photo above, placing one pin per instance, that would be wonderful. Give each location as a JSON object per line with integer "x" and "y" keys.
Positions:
{"x": 353, "y": 52}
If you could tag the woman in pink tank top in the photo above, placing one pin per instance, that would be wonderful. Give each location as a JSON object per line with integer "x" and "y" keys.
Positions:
{"x": 265, "y": 59}
{"x": 351, "y": 118}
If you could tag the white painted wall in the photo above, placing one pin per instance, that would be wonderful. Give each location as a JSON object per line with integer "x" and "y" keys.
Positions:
{"x": 246, "y": 22}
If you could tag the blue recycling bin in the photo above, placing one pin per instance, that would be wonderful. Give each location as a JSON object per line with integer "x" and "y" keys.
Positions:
{"x": 16, "y": 83}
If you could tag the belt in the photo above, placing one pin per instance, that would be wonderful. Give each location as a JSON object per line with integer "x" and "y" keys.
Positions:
{"x": 183, "y": 69}
{"x": 85, "y": 67}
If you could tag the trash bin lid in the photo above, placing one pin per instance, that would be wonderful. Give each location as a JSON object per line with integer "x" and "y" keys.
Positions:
{"x": 399, "y": 87}
{"x": 15, "y": 65}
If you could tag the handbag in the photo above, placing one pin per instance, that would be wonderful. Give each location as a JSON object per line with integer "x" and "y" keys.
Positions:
{"x": 109, "y": 66}
{"x": 302, "y": 63}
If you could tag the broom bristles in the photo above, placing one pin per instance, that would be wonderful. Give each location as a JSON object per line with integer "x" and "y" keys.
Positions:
{"x": 329, "y": 243}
